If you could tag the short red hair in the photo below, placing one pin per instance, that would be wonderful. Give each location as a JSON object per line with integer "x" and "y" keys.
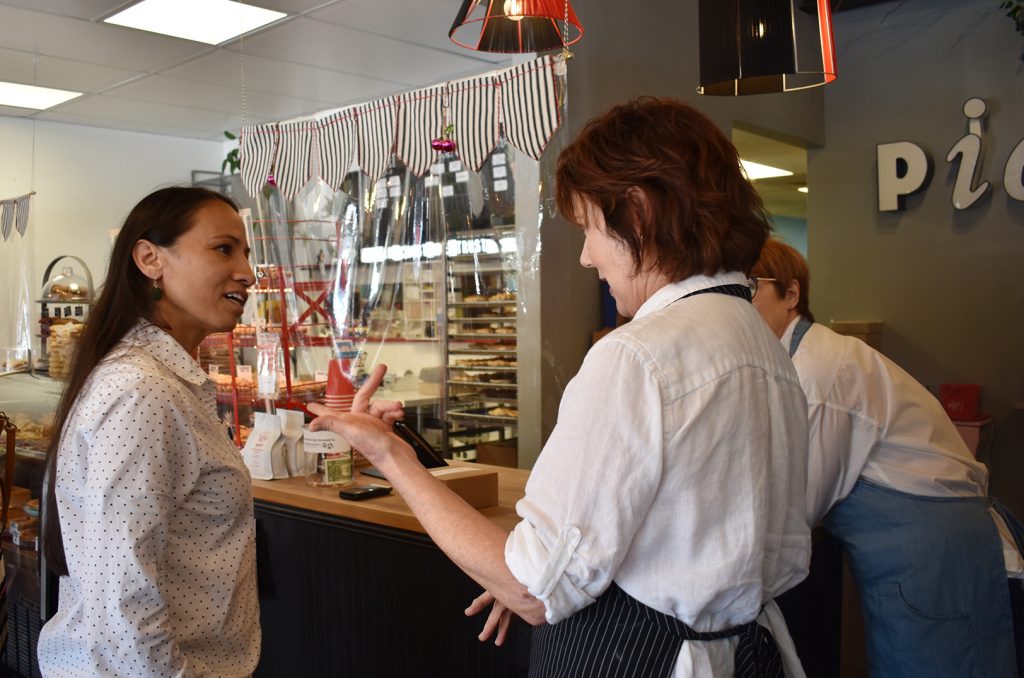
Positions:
{"x": 670, "y": 187}
{"x": 783, "y": 263}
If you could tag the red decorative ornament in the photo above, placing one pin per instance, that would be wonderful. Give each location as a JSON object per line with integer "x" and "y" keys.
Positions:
{"x": 444, "y": 143}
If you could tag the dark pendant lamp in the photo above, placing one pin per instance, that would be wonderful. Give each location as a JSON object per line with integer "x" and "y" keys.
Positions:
{"x": 515, "y": 25}
{"x": 762, "y": 46}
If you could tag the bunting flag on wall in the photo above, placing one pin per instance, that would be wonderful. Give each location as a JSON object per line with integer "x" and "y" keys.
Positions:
{"x": 21, "y": 221}
{"x": 420, "y": 119}
{"x": 376, "y": 135}
{"x": 256, "y": 151}
{"x": 292, "y": 169}
{"x": 523, "y": 99}
{"x": 337, "y": 146}
{"x": 14, "y": 215}
{"x": 474, "y": 113}
{"x": 529, "y": 106}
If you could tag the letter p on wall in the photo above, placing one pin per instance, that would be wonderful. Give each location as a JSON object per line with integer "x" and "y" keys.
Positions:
{"x": 902, "y": 170}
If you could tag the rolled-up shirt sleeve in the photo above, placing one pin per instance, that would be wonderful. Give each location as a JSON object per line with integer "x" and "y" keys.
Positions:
{"x": 594, "y": 481}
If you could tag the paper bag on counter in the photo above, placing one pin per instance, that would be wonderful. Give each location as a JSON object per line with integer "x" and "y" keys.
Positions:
{"x": 264, "y": 451}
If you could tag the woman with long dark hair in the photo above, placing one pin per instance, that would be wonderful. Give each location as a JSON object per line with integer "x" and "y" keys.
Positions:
{"x": 149, "y": 512}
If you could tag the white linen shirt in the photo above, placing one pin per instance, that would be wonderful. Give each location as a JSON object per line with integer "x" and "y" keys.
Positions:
{"x": 868, "y": 418}
{"x": 156, "y": 512}
{"x": 677, "y": 470}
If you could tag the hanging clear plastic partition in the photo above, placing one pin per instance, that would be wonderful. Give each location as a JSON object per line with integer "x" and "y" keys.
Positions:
{"x": 421, "y": 273}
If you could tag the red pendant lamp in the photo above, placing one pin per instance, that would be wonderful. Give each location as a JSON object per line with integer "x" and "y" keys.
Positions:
{"x": 762, "y": 46}
{"x": 520, "y": 26}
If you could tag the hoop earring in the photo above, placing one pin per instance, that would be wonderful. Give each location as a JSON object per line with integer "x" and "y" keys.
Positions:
{"x": 155, "y": 293}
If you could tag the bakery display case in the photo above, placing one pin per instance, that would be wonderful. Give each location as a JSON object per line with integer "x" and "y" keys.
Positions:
{"x": 481, "y": 308}
{"x": 29, "y": 400}
{"x": 64, "y": 308}
{"x": 481, "y": 391}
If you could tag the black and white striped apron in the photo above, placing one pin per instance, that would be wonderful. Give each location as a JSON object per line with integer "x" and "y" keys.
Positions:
{"x": 619, "y": 637}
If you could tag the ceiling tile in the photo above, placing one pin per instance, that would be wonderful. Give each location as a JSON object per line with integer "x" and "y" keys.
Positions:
{"x": 316, "y": 43}
{"x": 116, "y": 108}
{"x": 102, "y": 44}
{"x": 424, "y": 22}
{"x": 282, "y": 78}
{"x": 79, "y": 9}
{"x": 16, "y": 112}
{"x": 129, "y": 125}
{"x": 175, "y": 91}
{"x": 292, "y": 6}
{"x": 60, "y": 73}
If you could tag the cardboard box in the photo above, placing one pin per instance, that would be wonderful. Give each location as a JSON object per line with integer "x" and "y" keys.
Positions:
{"x": 479, "y": 487}
{"x": 499, "y": 453}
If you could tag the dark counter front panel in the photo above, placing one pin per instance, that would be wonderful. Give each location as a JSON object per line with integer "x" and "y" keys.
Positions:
{"x": 340, "y": 597}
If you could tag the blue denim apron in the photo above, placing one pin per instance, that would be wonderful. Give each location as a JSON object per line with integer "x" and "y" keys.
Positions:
{"x": 932, "y": 578}
{"x": 932, "y": 582}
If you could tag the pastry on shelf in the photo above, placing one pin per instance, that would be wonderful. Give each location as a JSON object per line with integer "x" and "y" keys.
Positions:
{"x": 503, "y": 412}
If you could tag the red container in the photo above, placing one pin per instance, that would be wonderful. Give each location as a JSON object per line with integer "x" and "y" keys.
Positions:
{"x": 962, "y": 402}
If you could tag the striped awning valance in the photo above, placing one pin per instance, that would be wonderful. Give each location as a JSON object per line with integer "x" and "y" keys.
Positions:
{"x": 523, "y": 100}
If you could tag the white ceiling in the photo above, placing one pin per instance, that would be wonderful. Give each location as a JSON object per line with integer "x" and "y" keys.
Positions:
{"x": 325, "y": 54}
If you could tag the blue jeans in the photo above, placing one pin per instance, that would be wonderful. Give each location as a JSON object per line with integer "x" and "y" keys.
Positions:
{"x": 932, "y": 583}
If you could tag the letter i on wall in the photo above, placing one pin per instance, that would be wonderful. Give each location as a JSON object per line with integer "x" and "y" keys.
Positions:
{"x": 969, "y": 148}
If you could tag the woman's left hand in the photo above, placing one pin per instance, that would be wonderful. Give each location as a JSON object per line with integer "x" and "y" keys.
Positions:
{"x": 368, "y": 426}
{"x": 388, "y": 410}
{"x": 499, "y": 617}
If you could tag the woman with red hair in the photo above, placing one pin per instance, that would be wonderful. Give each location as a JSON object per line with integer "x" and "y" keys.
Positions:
{"x": 890, "y": 477}
{"x": 666, "y": 508}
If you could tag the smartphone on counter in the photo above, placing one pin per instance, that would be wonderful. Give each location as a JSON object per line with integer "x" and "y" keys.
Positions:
{"x": 360, "y": 492}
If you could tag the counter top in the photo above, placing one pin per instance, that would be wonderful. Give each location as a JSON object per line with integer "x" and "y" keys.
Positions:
{"x": 390, "y": 511}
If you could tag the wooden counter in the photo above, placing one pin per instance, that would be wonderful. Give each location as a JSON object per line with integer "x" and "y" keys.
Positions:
{"x": 356, "y": 588}
{"x": 389, "y": 511}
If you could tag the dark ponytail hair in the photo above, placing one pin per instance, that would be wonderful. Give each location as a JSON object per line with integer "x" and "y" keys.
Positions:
{"x": 161, "y": 218}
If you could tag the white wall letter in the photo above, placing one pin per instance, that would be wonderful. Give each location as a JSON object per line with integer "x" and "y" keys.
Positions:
{"x": 969, "y": 150}
{"x": 891, "y": 185}
{"x": 1013, "y": 175}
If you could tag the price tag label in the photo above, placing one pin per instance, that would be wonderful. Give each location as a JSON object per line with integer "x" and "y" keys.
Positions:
{"x": 447, "y": 191}
{"x": 213, "y": 370}
{"x": 462, "y": 177}
{"x": 324, "y": 442}
{"x": 244, "y": 371}
{"x": 320, "y": 375}
{"x": 500, "y": 172}
{"x": 431, "y": 181}
{"x": 395, "y": 191}
{"x": 380, "y": 186}
{"x": 501, "y": 185}
{"x": 455, "y": 166}
{"x": 394, "y": 181}
{"x": 437, "y": 168}
{"x": 498, "y": 159}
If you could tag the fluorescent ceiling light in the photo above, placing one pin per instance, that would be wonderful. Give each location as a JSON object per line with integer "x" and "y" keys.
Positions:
{"x": 30, "y": 96}
{"x": 209, "y": 21}
{"x": 802, "y": 189}
{"x": 755, "y": 170}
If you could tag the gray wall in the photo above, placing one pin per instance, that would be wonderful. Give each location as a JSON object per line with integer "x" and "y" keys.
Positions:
{"x": 640, "y": 47}
{"x": 946, "y": 285}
